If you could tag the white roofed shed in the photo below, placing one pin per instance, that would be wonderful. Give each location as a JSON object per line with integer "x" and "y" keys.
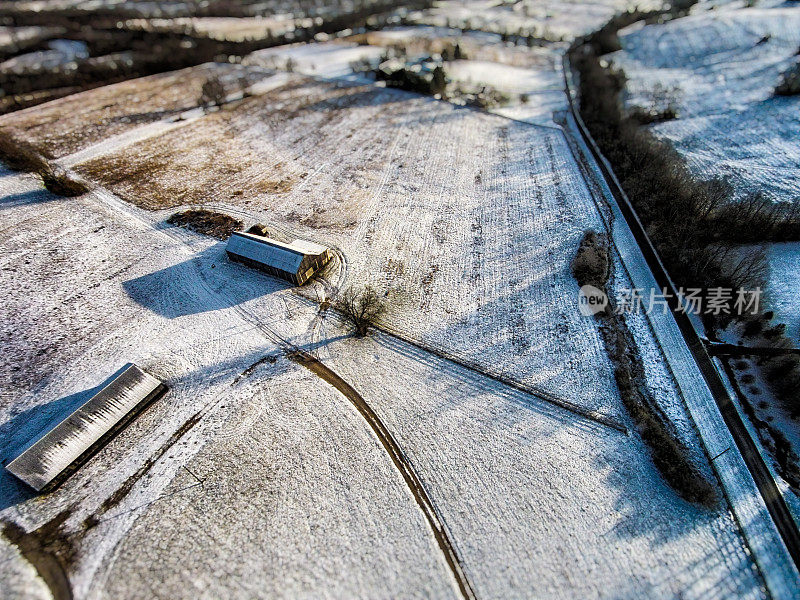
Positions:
{"x": 296, "y": 262}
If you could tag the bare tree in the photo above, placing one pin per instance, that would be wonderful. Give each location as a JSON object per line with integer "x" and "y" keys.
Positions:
{"x": 362, "y": 307}
{"x": 790, "y": 82}
{"x": 212, "y": 92}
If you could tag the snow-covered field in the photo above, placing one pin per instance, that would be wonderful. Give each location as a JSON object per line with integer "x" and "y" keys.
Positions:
{"x": 325, "y": 59}
{"x": 552, "y": 20}
{"x": 293, "y": 481}
{"x": 726, "y": 64}
{"x": 783, "y": 285}
{"x": 224, "y": 28}
{"x": 253, "y": 477}
{"x": 467, "y": 220}
{"x": 65, "y": 126}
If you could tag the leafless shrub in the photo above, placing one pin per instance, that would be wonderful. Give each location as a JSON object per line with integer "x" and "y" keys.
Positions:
{"x": 213, "y": 92}
{"x": 669, "y": 454}
{"x": 22, "y": 156}
{"x": 61, "y": 182}
{"x": 19, "y": 155}
{"x": 790, "y": 82}
{"x": 362, "y": 307}
{"x": 662, "y": 105}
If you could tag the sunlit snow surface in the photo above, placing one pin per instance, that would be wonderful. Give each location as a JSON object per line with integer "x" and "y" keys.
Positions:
{"x": 726, "y": 65}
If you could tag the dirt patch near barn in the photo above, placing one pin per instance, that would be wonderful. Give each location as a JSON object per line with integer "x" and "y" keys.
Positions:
{"x": 207, "y": 222}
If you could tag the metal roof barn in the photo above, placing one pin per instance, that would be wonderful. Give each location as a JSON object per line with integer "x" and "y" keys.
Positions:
{"x": 63, "y": 449}
{"x": 296, "y": 262}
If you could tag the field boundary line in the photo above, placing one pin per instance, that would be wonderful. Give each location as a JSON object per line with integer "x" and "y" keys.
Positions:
{"x": 525, "y": 388}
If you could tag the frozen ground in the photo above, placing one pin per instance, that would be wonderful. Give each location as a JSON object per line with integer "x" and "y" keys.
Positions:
{"x": 293, "y": 481}
{"x": 326, "y": 59}
{"x": 726, "y": 65}
{"x": 61, "y": 54}
{"x": 254, "y": 477}
{"x": 73, "y": 123}
{"x": 552, "y": 20}
{"x": 783, "y": 286}
{"x": 467, "y": 220}
{"x": 539, "y": 503}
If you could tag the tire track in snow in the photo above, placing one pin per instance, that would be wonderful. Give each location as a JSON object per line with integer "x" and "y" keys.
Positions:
{"x": 400, "y": 461}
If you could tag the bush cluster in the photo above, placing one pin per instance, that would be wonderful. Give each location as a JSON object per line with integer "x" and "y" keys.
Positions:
{"x": 21, "y": 156}
{"x": 207, "y": 222}
{"x": 790, "y": 82}
{"x": 591, "y": 263}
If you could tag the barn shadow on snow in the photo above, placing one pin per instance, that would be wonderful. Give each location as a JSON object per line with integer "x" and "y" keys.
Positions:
{"x": 206, "y": 282}
{"x": 23, "y": 430}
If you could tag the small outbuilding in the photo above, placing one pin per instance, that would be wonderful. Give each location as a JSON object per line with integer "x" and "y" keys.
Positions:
{"x": 62, "y": 450}
{"x": 296, "y": 262}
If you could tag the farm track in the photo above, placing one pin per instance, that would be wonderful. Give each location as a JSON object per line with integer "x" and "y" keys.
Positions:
{"x": 768, "y": 489}
{"x": 539, "y": 394}
{"x": 400, "y": 461}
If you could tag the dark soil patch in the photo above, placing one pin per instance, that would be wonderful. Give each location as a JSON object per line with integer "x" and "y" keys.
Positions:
{"x": 48, "y": 549}
{"x": 207, "y": 222}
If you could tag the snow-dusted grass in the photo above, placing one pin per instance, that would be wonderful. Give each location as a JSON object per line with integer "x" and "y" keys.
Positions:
{"x": 327, "y": 59}
{"x": 469, "y": 222}
{"x": 553, "y": 20}
{"x": 298, "y": 497}
{"x": 466, "y": 219}
{"x": 558, "y": 507}
{"x": 783, "y": 286}
{"x": 75, "y": 122}
{"x": 233, "y": 29}
{"x": 726, "y": 65}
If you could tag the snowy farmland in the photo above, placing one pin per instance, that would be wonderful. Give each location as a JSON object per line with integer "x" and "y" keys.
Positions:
{"x": 467, "y": 222}
{"x": 73, "y": 123}
{"x": 475, "y": 446}
{"x": 249, "y": 447}
{"x": 726, "y": 65}
{"x": 553, "y": 20}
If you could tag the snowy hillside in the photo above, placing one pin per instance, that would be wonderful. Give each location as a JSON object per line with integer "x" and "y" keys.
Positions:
{"x": 725, "y": 65}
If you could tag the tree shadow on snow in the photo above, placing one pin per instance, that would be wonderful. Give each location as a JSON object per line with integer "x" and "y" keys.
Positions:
{"x": 27, "y": 198}
{"x": 24, "y": 429}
